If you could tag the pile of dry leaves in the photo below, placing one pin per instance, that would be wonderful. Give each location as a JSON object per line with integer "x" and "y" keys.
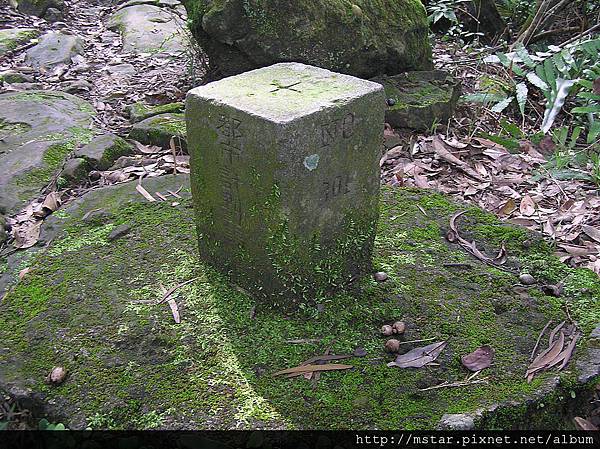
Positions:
{"x": 515, "y": 186}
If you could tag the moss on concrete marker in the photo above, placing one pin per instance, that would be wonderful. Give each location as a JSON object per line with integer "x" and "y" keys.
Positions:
{"x": 285, "y": 177}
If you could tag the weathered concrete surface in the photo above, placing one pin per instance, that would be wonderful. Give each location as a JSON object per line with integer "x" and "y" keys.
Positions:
{"x": 11, "y": 38}
{"x": 149, "y": 29}
{"x": 418, "y": 100}
{"x": 38, "y": 130}
{"x": 285, "y": 169}
{"x": 89, "y": 304}
{"x": 55, "y": 48}
{"x": 363, "y": 39}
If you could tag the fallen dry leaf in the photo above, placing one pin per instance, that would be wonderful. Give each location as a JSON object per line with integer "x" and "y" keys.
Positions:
{"x": 584, "y": 424}
{"x": 312, "y": 368}
{"x": 527, "y": 206}
{"x": 419, "y": 357}
{"x": 479, "y": 359}
{"x": 591, "y": 232}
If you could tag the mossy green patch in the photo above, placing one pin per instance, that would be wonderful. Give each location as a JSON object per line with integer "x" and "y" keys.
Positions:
{"x": 94, "y": 308}
{"x": 140, "y": 111}
{"x": 53, "y": 158}
{"x": 12, "y": 38}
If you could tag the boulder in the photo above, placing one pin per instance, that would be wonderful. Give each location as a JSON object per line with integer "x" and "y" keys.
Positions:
{"x": 90, "y": 305}
{"x": 158, "y": 130}
{"x": 55, "y": 48}
{"x": 140, "y": 111}
{"x": 149, "y": 29}
{"x": 364, "y": 39}
{"x": 103, "y": 151}
{"x": 39, "y": 7}
{"x": 11, "y": 38}
{"x": 418, "y": 100}
{"x": 38, "y": 129}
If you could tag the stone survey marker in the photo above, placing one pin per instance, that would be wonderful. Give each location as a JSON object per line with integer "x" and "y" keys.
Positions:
{"x": 285, "y": 176}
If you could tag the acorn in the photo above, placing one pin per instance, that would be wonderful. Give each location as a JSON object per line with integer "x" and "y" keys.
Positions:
{"x": 380, "y": 276}
{"x": 387, "y": 330}
{"x": 57, "y": 375}
{"x": 398, "y": 327}
{"x": 357, "y": 10}
{"x": 392, "y": 345}
{"x": 527, "y": 279}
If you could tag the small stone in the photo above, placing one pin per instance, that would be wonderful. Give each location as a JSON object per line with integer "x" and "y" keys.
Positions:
{"x": 387, "y": 330}
{"x": 527, "y": 279}
{"x": 54, "y": 49}
{"x": 392, "y": 345}
{"x": 104, "y": 150}
{"x": 390, "y": 102}
{"x": 399, "y": 327}
{"x": 553, "y": 290}
{"x": 380, "y": 276}
{"x": 57, "y": 375}
{"x": 359, "y": 352}
{"x": 456, "y": 422}
{"x": 53, "y": 15}
{"x": 119, "y": 232}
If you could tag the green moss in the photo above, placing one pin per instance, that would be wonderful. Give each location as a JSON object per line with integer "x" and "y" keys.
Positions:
{"x": 140, "y": 111}
{"x": 11, "y": 39}
{"x": 53, "y": 158}
{"x": 134, "y": 367}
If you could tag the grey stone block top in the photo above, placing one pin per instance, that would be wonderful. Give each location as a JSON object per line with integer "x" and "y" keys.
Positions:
{"x": 283, "y": 92}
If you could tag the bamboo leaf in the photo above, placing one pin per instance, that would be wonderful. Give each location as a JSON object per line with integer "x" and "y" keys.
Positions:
{"x": 522, "y": 92}
{"x": 499, "y": 107}
{"x": 534, "y": 79}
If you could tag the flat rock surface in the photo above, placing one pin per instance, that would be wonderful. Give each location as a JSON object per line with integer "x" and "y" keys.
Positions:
{"x": 91, "y": 305}
{"x": 417, "y": 100}
{"x": 55, "y": 48}
{"x": 149, "y": 29}
{"x": 38, "y": 130}
{"x": 11, "y": 38}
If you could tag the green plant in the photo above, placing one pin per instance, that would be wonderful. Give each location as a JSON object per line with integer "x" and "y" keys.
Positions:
{"x": 554, "y": 73}
{"x": 441, "y": 10}
{"x": 44, "y": 424}
{"x": 564, "y": 154}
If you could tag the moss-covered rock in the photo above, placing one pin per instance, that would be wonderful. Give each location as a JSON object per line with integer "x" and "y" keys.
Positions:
{"x": 149, "y": 29}
{"x": 159, "y": 129}
{"x": 11, "y": 38}
{"x": 419, "y": 100}
{"x": 38, "y": 130}
{"x": 103, "y": 151}
{"x": 54, "y": 48}
{"x": 39, "y": 7}
{"x": 90, "y": 305}
{"x": 140, "y": 111}
{"x": 364, "y": 38}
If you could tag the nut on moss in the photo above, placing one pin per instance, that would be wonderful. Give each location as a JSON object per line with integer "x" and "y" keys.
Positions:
{"x": 380, "y": 276}
{"x": 392, "y": 345}
{"x": 57, "y": 375}
{"x": 398, "y": 327}
{"x": 387, "y": 330}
